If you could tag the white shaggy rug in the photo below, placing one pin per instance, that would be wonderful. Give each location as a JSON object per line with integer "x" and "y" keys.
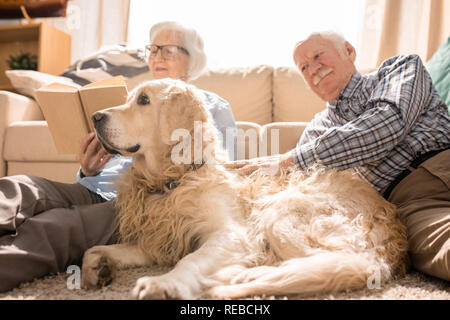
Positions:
{"x": 414, "y": 286}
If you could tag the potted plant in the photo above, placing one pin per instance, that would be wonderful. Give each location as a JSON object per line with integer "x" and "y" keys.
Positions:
{"x": 24, "y": 61}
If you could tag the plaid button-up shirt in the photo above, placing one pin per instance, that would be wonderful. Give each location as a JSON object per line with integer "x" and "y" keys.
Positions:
{"x": 379, "y": 123}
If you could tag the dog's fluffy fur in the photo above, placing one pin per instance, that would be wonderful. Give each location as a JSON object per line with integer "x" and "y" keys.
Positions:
{"x": 228, "y": 236}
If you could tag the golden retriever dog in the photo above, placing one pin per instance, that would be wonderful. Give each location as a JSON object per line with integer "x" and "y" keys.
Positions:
{"x": 228, "y": 236}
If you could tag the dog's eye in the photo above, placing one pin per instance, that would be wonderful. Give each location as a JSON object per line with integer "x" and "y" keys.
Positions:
{"x": 143, "y": 99}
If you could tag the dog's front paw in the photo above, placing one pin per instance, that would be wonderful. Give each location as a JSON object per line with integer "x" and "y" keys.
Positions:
{"x": 159, "y": 288}
{"x": 98, "y": 270}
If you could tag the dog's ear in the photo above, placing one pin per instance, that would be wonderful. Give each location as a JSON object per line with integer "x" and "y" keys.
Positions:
{"x": 179, "y": 110}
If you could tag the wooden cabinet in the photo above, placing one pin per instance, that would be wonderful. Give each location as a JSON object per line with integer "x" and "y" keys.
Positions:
{"x": 51, "y": 46}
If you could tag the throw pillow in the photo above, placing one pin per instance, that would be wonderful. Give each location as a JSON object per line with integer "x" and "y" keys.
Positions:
{"x": 26, "y": 82}
{"x": 108, "y": 62}
{"x": 439, "y": 68}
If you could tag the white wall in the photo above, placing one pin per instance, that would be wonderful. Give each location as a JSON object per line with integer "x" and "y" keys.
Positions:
{"x": 248, "y": 32}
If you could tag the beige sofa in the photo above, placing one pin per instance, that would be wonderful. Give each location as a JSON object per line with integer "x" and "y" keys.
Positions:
{"x": 263, "y": 98}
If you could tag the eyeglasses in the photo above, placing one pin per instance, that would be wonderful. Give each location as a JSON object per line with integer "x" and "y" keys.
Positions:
{"x": 168, "y": 51}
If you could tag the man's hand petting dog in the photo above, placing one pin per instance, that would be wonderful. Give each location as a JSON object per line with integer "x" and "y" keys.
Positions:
{"x": 92, "y": 156}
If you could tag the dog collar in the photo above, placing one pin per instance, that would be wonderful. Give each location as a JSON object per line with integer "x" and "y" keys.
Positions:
{"x": 172, "y": 184}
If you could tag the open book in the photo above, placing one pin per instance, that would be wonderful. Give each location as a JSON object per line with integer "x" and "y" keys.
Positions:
{"x": 68, "y": 110}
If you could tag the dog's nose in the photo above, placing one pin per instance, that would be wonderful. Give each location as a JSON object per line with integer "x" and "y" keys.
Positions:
{"x": 98, "y": 117}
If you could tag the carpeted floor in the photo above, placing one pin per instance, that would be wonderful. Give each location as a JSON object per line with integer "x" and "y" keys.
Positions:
{"x": 411, "y": 287}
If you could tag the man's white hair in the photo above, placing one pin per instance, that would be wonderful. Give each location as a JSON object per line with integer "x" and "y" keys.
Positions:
{"x": 333, "y": 36}
{"x": 193, "y": 43}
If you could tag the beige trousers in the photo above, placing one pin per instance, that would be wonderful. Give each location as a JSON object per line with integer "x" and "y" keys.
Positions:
{"x": 423, "y": 201}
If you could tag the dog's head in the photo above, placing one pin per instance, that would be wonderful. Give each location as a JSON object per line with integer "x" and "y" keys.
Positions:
{"x": 158, "y": 115}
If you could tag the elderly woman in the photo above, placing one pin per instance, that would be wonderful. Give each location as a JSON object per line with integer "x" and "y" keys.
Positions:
{"x": 175, "y": 51}
{"x": 46, "y": 226}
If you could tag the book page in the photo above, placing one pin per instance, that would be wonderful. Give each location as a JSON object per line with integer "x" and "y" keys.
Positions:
{"x": 101, "y": 95}
{"x": 62, "y": 109}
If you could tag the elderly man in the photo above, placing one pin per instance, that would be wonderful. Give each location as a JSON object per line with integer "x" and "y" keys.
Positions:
{"x": 391, "y": 127}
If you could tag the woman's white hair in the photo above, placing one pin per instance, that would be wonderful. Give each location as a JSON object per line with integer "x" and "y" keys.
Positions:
{"x": 193, "y": 43}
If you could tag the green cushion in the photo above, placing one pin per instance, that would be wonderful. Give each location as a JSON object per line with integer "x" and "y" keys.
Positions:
{"x": 439, "y": 68}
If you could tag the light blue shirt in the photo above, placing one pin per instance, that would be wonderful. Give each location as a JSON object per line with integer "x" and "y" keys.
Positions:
{"x": 104, "y": 183}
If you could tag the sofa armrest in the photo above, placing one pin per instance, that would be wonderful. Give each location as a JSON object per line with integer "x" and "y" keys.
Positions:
{"x": 280, "y": 137}
{"x": 247, "y": 140}
{"x": 15, "y": 107}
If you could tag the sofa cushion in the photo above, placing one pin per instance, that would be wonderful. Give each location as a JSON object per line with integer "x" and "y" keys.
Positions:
{"x": 248, "y": 90}
{"x": 26, "y": 82}
{"x": 65, "y": 172}
{"x": 15, "y": 107}
{"x": 31, "y": 141}
{"x": 292, "y": 98}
